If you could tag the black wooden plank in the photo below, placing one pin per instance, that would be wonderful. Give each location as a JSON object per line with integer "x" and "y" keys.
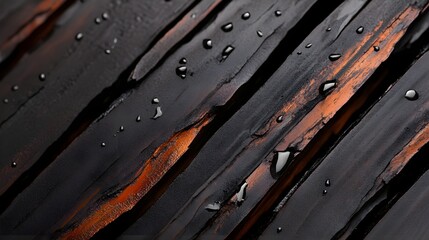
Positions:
{"x": 408, "y": 217}
{"x": 354, "y": 165}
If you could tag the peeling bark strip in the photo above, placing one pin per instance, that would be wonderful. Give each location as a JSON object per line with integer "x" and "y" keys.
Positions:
{"x": 352, "y": 71}
{"x": 401, "y": 130}
{"x": 398, "y": 163}
{"x": 164, "y": 157}
{"x": 384, "y": 195}
{"x": 407, "y": 218}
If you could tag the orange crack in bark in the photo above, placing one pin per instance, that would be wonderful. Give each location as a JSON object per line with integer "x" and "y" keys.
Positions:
{"x": 164, "y": 157}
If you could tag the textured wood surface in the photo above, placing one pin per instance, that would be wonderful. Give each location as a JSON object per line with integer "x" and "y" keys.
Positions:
{"x": 103, "y": 135}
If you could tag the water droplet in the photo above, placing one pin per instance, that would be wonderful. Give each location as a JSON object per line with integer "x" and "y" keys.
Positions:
{"x": 227, "y": 51}
{"x": 138, "y": 19}
{"x": 79, "y": 36}
{"x": 281, "y": 159}
{"x": 13, "y": 164}
{"x": 15, "y": 88}
{"x": 97, "y": 20}
{"x": 411, "y": 95}
{"x": 334, "y": 56}
{"x": 328, "y": 182}
{"x": 241, "y": 195}
{"x": 376, "y": 48}
{"x": 121, "y": 128}
{"x": 158, "y": 113}
{"x": 299, "y": 53}
{"x": 155, "y": 100}
{"x": 325, "y": 192}
{"x": 183, "y": 61}
{"x": 279, "y": 229}
{"x": 103, "y": 144}
{"x": 279, "y": 119}
{"x": 359, "y": 30}
{"x": 213, "y": 207}
{"x": 207, "y": 43}
{"x": 260, "y": 34}
{"x": 42, "y": 77}
{"x": 328, "y": 29}
{"x": 107, "y": 51}
{"x": 227, "y": 27}
{"x": 181, "y": 71}
{"x": 245, "y": 16}
{"x": 105, "y": 16}
{"x": 138, "y": 118}
{"x": 327, "y": 87}
{"x": 193, "y": 15}
{"x": 278, "y": 13}
{"x": 5, "y": 101}
{"x": 308, "y": 45}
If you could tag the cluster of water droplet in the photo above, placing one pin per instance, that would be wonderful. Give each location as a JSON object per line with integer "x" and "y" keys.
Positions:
{"x": 158, "y": 114}
{"x": 327, "y": 184}
{"x": 282, "y": 159}
{"x": 182, "y": 70}
{"x": 208, "y": 43}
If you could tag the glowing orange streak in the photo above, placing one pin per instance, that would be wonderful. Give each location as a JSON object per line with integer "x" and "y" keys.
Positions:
{"x": 400, "y": 160}
{"x": 164, "y": 157}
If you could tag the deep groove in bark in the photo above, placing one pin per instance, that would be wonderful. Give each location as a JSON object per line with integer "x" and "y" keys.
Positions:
{"x": 387, "y": 74}
{"x": 391, "y": 193}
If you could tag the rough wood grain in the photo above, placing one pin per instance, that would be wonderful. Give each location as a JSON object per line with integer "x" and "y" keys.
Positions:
{"x": 357, "y": 164}
{"x": 407, "y": 218}
{"x": 114, "y": 140}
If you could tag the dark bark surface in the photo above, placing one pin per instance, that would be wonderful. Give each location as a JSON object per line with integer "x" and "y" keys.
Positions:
{"x": 107, "y": 132}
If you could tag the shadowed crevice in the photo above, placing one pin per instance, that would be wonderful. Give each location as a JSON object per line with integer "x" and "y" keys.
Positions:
{"x": 401, "y": 59}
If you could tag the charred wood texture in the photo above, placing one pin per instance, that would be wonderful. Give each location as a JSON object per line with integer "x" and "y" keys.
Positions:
{"x": 214, "y": 119}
